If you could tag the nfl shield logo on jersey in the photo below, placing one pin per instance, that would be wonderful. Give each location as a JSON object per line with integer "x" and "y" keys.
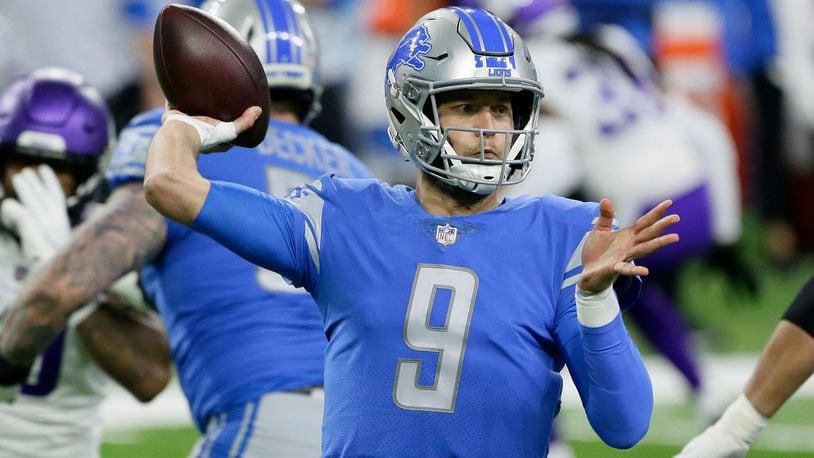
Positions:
{"x": 446, "y": 234}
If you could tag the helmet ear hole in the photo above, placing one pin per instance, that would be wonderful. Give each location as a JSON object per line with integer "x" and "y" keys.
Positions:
{"x": 400, "y": 118}
{"x": 427, "y": 110}
{"x": 523, "y": 108}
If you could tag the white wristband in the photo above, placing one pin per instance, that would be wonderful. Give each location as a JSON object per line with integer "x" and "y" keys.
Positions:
{"x": 210, "y": 135}
{"x": 596, "y": 309}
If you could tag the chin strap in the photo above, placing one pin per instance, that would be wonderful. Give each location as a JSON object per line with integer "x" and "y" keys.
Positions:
{"x": 466, "y": 174}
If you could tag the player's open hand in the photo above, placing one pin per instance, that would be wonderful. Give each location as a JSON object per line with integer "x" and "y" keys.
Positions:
{"x": 607, "y": 253}
{"x": 214, "y": 135}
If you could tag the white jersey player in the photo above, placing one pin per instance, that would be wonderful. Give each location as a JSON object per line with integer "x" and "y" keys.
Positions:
{"x": 56, "y": 410}
{"x": 615, "y": 132}
{"x": 610, "y": 130}
{"x": 51, "y": 119}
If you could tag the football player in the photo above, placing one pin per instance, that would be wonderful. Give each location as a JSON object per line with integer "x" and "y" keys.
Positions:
{"x": 248, "y": 346}
{"x": 786, "y": 363}
{"x": 449, "y": 312}
{"x": 54, "y": 129}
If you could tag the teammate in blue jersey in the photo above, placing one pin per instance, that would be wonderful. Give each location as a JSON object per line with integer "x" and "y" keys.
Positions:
{"x": 449, "y": 312}
{"x": 248, "y": 346}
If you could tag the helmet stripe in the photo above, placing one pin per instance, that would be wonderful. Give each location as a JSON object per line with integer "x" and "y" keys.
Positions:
{"x": 474, "y": 36}
{"x": 504, "y": 33}
{"x": 264, "y": 16}
{"x": 283, "y": 39}
{"x": 491, "y": 34}
{"x": 294, "y": 29}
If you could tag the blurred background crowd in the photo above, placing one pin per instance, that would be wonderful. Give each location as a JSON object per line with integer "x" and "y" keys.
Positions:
{"x": 748, "y": 62}
{"x": 736, "y": 75}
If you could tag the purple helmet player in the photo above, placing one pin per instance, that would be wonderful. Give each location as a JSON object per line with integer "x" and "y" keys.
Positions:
{"x": 51, "y": 115}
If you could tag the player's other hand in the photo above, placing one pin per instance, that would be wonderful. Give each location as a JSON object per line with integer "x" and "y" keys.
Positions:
{"x": 607, "y": 253}
{"x": 213, "y": 135}
{"x": 38, "y": 214}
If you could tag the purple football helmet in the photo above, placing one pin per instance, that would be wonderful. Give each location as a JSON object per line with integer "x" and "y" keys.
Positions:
{"x": 53, "y": 115}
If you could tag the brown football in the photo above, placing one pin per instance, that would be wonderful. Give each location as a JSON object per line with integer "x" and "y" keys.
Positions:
{"x": 206, "y": 68}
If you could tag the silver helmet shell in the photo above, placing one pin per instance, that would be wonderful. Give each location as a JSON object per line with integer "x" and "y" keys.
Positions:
{"x": 280, "y": 34}
{"x": 452, "y": 49}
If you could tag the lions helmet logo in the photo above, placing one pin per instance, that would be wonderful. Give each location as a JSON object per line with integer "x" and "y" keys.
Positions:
{"x": 414, "y": 45}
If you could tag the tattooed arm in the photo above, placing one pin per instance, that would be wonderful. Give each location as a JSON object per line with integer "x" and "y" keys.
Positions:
{"x": 131, "y": 346}
{"x": 126, "y": 235}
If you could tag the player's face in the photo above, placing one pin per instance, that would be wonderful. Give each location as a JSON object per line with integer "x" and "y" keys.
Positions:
{"x": 65, "y": 177}
{"x": 479, "y": 109}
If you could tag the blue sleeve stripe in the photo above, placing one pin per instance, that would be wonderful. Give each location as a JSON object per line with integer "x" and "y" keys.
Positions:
{"x": 311, "y": 205}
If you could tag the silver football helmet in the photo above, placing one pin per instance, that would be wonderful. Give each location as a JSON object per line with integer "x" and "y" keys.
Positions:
{"x": 451, "y": 49}
{"x": 280, "y": 34}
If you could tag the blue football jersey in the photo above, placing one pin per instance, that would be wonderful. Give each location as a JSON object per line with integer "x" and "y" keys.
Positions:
{"x": 236, "y": 330}
{"x": 446, "y": 334}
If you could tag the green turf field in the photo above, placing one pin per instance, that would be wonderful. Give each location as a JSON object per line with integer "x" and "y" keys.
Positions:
{"x": 788, "y": 436}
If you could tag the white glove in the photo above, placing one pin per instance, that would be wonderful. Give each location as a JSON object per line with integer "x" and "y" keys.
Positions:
{"x": 714, "y": 443}
{"x": 730, "y": 436}
{"x": 211, "y": 134}
{"x": 39, "y": 217}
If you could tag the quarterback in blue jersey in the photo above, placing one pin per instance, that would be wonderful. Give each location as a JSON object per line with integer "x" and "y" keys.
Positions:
{"x": 248, "y": 346}
{"x": 449, "y": 312}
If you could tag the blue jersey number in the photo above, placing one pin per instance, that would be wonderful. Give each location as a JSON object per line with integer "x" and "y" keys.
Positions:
{"x": 448, "y": 341}
{"x": 50, "y": 364}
